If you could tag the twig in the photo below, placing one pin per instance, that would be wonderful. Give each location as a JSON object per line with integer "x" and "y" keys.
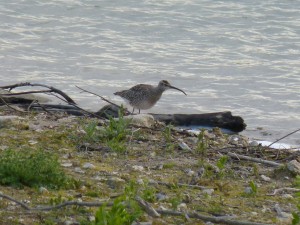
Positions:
{"x": 52, "y": 89}
{"x": 208, "y": 218}
{"x": 27, "y": 92}
{"x": 283, "y": 137}
{"x": 267, "y": 162}
{"x": 16, "y": 201}
{"x": 162, "y": 212}
{"x": 64, "y": 204}
{"x": 284, "y": 189}
{"x": 178, "y": 184}
{"x": 104, "y": 99}
{"x": 89, "y": 113}
{"x": 147, "y": 207}
{"x": 70, "y": 203}
{"x": 11, "y": 106}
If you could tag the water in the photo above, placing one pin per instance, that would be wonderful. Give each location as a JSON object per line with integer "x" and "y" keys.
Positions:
{"x": 241, "y": 56}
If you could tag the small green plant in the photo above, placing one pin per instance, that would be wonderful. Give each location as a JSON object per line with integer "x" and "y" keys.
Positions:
{"x": 253, "y": 187}
{"x": 119, "y": 214}
{"x": 116, "y": 131}
{"x": 221, "y": 163}
{"x": 124, "y": 210}
{"x": 202, "y": 144}
{"x": 31, "y": 168}
{"x": 167, "y": 134}
{"x": 296, "y": 215}
{"x": 91, "y": 133}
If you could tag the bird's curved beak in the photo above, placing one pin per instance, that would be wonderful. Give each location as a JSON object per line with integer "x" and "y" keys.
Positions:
{"x": 177, "y": 89}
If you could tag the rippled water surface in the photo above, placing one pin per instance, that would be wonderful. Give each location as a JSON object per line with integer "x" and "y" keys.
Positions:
{"x": 242, "y": 56}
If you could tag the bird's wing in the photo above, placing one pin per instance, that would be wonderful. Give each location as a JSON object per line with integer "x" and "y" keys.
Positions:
{"x": 140, "y": 88}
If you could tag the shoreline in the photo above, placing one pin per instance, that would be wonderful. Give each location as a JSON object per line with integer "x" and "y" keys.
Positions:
{"x": 160, "y": 154}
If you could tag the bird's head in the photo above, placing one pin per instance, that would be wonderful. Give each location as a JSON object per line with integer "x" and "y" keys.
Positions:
{"x": 165, "y": 85}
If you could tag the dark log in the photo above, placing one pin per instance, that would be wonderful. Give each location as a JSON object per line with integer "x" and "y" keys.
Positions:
{"x": 219, "y": 119}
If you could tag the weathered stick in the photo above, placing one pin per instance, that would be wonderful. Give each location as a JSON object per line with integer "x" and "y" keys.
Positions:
{"x": 267, "y": 162}
{"x": 162, "y": 212}
{"x": 208, "y": 218}
{"x": 104, "y": 99}
{"x": 284, "y": 189}
{"x": 178, "y": 184}
{"x": 283, "y": 137}
{"x": 51, "y": 89}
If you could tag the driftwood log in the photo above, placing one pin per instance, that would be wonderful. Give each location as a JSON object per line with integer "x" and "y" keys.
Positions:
{"x": 219, "y": 119}
{"x": 223, "y": 120}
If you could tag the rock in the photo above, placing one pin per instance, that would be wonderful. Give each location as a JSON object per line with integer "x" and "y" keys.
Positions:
{"x": 209, "y": 191}
{"x": 182, "y": 207}
{"x": 137, "y": 168}
{"x": 115, "y": 182}
{"x": 69, "y": 222}
{"x": 265, "y": 178}
{"x": 183, "y": 145}
{"x": 32, "y": 142}
{"x": 3, "y": 147}
{"x": 253, "y": 144}
{"x": 288, "y": 196}
{"x": 67, "y": 164}
{"x": 294, "y": 167}
{"x": 248, "y": 190}
{"x": 144, "y": 120}
{"x": 284, "y": 217}
{"x": 190, "y": 172}
{"x": 88, "y": 166}
{"x": 43, "y": 190}
{"x": 78, "y": 170}
{"x": 140, "y": 181}
{"x": 161, "y": 196}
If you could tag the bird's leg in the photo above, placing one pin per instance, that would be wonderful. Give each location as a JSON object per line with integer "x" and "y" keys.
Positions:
{"x": 139, "y": 111}
{"x": 132, "y": 110}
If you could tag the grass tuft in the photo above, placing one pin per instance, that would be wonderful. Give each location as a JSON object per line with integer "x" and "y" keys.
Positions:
{"x": 33, "y": 168}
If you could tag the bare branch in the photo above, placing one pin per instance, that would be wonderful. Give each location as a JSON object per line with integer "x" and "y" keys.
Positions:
{"x": 11, "y": 106}
{"x": 284, "y": 189}
{"x": 283, "y": 137}
{"x": 267, "y": 162}
{"x": 51, "y": 89}
{"x": 104, "y": 99}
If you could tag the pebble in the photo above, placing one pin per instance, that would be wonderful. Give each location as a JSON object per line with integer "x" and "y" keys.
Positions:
{"x": 3, "y": 147}
{"x": 140, "y": 181}
{"x": 137, "y": 168}
{"x": 265, "y": 178}
{"x": 88, "y": 166}
{"x": 183, "y": 145}
{"x": 182, "y": 207}
{"x": 78, "y": 170}
{"x": 253, "y": 144}
{"x": 32, "y": 142}
{"x": 190, "y": 173}
{"x": 287, "y": 196}
{"x": 209, "y": 191}
{"x": 114, "y": 182}
{"x": 66, "y": 164}
{"x": 69, "y": 222}
{"x": 248, "y": 190}
{"x": 161, "y": 196}
{"x": 43, "y": 190}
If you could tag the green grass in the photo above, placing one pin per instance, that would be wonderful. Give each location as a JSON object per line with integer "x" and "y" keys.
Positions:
{"x": 113, "y": 134}
{"x": 202, "y": 145}
{"x": 33, "y": 168}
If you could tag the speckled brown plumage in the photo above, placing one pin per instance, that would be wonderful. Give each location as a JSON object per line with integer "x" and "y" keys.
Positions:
{"x": 145, "y": 96}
